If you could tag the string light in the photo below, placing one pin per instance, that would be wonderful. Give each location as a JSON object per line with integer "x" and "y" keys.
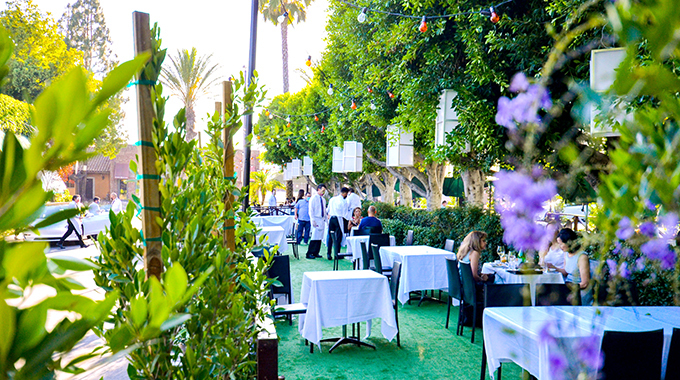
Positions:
{"x": 341, "y": 107}
{"x": 423, "y": 25}
{"x": 309, "y": 61}
{"x": 354, "y": 105}
{"x": 362, "y": 16}
{"x": 289, "y": 143}
{"x": 494, "y": 16}
{"x": 282, "y": 18}
{"x": 330, "y": 90}
{"x": 370, "y": 90}
{"x": 391, "y": 95}
{"x": 316, "y": 118}
{"x": 373, "y": 107}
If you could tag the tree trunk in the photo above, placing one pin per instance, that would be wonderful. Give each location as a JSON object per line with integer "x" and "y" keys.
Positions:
{"x": 284, "y": 54}
{"x": 191, "y": 120}
{"x": 289, "y": 190}
{"x": 369, "y": 189}
{"x": 473, "y": 183}
{"x": 405, "y": 193}
{"x": 390, "y": 181}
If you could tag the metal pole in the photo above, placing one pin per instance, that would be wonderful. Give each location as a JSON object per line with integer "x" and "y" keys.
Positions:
{"x": 249, "y": 118}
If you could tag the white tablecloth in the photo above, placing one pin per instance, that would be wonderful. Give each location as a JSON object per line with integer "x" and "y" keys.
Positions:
{"x": 284, "y": 221}
{"x": 337, "y": 298}
{"x": 422, "y": 267}
{"x": 505, "y": 277}
{"x": 276, "y": 236}
{"x": 514, "y": 333}
{"x": 354, "y": 246}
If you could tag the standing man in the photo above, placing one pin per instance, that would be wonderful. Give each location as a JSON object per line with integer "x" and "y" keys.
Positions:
{"x": 271, "y": 201}
{"x": 94, "y": 206}
{"x": 116, "y": 204}
{"x": 317, "y": 216}
{"x": 302, "y": 216}
{"x": 353, "y": 201}
{"x": 73, "y": 224}
{"x": 337, "y": 209}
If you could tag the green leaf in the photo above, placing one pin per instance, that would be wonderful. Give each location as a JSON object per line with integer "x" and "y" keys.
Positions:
{"x": 174, "y": 321}
{"x": 57, "y": 217}
{"x": 176, "y": 282}
{"x": 138, "y": 311}
{"x": 7, "y": 317}
{"x": 30, "y": 329}
{"x": 73, "y": 263}
{"x": 119, "y": 77}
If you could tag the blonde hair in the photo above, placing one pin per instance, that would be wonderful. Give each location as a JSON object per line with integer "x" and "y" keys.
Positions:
{"x": 473, "y": 241}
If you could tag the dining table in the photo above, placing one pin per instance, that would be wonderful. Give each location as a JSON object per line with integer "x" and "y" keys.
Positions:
{"x": 532, "y": 337}
{"x": 422, "y": 268}
{"x": 287, "y": 222}
{"x": 341, "y": 298}
{"x": 273, "y": 235}
{"x": 504, "y": 275}
{"x": 354, "y": 246}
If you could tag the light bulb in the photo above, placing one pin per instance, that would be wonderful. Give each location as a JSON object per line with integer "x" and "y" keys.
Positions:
{"x": 330, "y": 90}
{"x": 309, "y": 61}
{"x": 494, "y": 16}
{"x": 342, "y": 108}
{"x": 282, "y": 18}
{"x": 423, "y": 26}
{"x": 362, "y": 16}
{"x": 391, "y": 95}
{"x": 316, "y": 118}
{"x": 373, "y": 107}
{"x": 271, "y": 116}
{"x": 339, "y": 122}
{"x": 354, "y": 105}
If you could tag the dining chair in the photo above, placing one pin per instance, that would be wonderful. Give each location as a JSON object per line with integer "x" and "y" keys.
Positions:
{"x": 503, "y": 295}
{"x": 280, "y": 270}
{"x": 365, "y": 257}
{"x": 409, "y": 238}
{"x": 292, "y": 241}
{"x": 394, "y": 291}
{"x": 454, "y": 293}
{"x": 673, "y": 366}
{"x": 632, "y": 355}
{"x": 377, "y": 262}
{"x": 448, "y": 246}
{"x": 557, "y": 295}
{"x": 337, "y": 256}
{"x": 469, "y": 293}
{"x": 259, "y": 252}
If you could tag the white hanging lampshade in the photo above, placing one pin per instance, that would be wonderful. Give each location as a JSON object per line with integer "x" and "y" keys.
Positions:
{"x": 603, "y": 64}
{"x": 337, "y": 160}
{"x": 307, "y": 165}
{"x": 295, "y": 168}
{"x": 447, "y": 117}
{"x": 286, "y": 173}
{"x": 353, "y": 156}
{"x": 399, "y": 147}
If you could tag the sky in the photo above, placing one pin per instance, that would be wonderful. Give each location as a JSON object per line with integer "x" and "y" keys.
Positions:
{"x": 220, "y": 28}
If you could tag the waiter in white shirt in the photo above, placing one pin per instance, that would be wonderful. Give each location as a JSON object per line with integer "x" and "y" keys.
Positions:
{"x": 317, "y": 216}
{"x": 353, "y": 201}
{"x": 116, "y": 204}
{"x": 337, "y": 209}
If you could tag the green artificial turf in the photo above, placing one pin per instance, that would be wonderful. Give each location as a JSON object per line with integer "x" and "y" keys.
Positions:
{"x": 428, "y": 350}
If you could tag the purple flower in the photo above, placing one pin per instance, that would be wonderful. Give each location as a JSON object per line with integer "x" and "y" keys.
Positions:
{"x": 519, "y": 83}
{"x": 648, "y": 229}
{"x": 626, "y": 230}
{"x": 558, "y": 365}
{"x": 640, "y": 264}
{"x": 617, "y": 248}
{"x": 669, "y": 225}
{"x": 650, "y": 205}
{"x": 612, "y": 267}
{"x": 624, "y": 271}
{"x": 504, "y": 114}
{"x": 658, "y": 249}
{"x": 520, "y": 202}
{"x": 626, "y": 252}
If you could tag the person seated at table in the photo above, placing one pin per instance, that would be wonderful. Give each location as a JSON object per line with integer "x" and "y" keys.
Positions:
{"x": 576, "y": 269}
{"x": 356, "y": 218}
{"x": 470, "y": 251}
{"x": 552, "y": 254}
{"x": 371, "y": 221}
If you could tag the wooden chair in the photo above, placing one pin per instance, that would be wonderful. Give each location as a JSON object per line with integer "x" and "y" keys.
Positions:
{"x": 632, "y": 355}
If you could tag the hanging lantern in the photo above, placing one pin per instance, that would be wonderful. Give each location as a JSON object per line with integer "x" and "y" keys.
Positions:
{"x": 399, "y": 147}
{"x": 307, "y": 165}
{"x": 337, "y": 160}
{"x": 352, "y": 156}
{"x": 603, "y": 64}
{"x": 447, "y": 117}
{"x": 295, "y": 168}
{"x": 423, "y": 26}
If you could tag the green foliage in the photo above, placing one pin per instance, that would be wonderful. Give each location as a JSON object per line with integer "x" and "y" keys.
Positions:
{"x": 15, "y": 116}
{"x": 67, "y": 118}
{"x": 213, "y": 333}
{"x": 41, "y": 55}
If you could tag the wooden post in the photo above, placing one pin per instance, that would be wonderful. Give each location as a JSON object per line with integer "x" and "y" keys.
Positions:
{"x": 150, "y": 196}
{"x": 229, "y": 235}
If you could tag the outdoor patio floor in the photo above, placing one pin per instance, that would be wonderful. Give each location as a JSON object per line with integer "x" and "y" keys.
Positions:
{"x": 428, "y": 350}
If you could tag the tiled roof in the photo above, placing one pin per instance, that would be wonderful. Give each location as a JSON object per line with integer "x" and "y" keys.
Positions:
{"x": 98, "y": 164}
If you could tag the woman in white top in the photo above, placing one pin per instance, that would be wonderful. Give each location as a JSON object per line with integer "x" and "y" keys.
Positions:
{"x": 553, "y": 254}
{"x": 577, "y": 265}
{"x": 470, "y": 251}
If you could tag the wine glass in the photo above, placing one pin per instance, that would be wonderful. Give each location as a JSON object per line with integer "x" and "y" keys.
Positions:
{"x": 501, "y": 253}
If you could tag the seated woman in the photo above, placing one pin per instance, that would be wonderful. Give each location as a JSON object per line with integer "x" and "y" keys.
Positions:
{"x": 470, "y": 251}
{"x": 576, "y": 269}
{"x": 356, "y": 219}
{"x": 553, "y": 254}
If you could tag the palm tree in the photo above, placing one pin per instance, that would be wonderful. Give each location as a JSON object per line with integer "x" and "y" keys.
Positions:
{"x": 284, "y": 12}
{"x": 189, "y": 77}
{"x": 263, "y": 181}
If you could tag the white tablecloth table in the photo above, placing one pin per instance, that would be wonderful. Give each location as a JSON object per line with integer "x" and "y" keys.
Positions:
{"x": 505, "y": 277}
{"x": 422, "y": 267}
{"x": 338, "y": 298}
{"x": 284, "y": 221}
{"x": 515, "y": 333}
{"x": 276, "y": 236}
{"x": 354, "y": 246}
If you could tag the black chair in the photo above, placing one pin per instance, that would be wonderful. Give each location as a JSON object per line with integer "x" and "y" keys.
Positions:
{"x": 259, "y": 252}
{"x": 632, "y": 355}
{"x": 469, "y": 293}
{"x": 292, "y": 240}
{"x": 454, "y": 293}
{"x": 280, "y": 270}
{"x": 365, "y": 231}
{"x": 394, "y": 290}
{"x": 377, "y": 262}
{"x": 381, "y": 240}
{"x": 673, "y": 366}
{"x": 337, "y": 256}
{"x": 556, "y": 295}
{"x": 365, "y": 257}
{"x": 449, "y": 245}
{"x": 409, "y": 238}
{"x": 497, "y": 295}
